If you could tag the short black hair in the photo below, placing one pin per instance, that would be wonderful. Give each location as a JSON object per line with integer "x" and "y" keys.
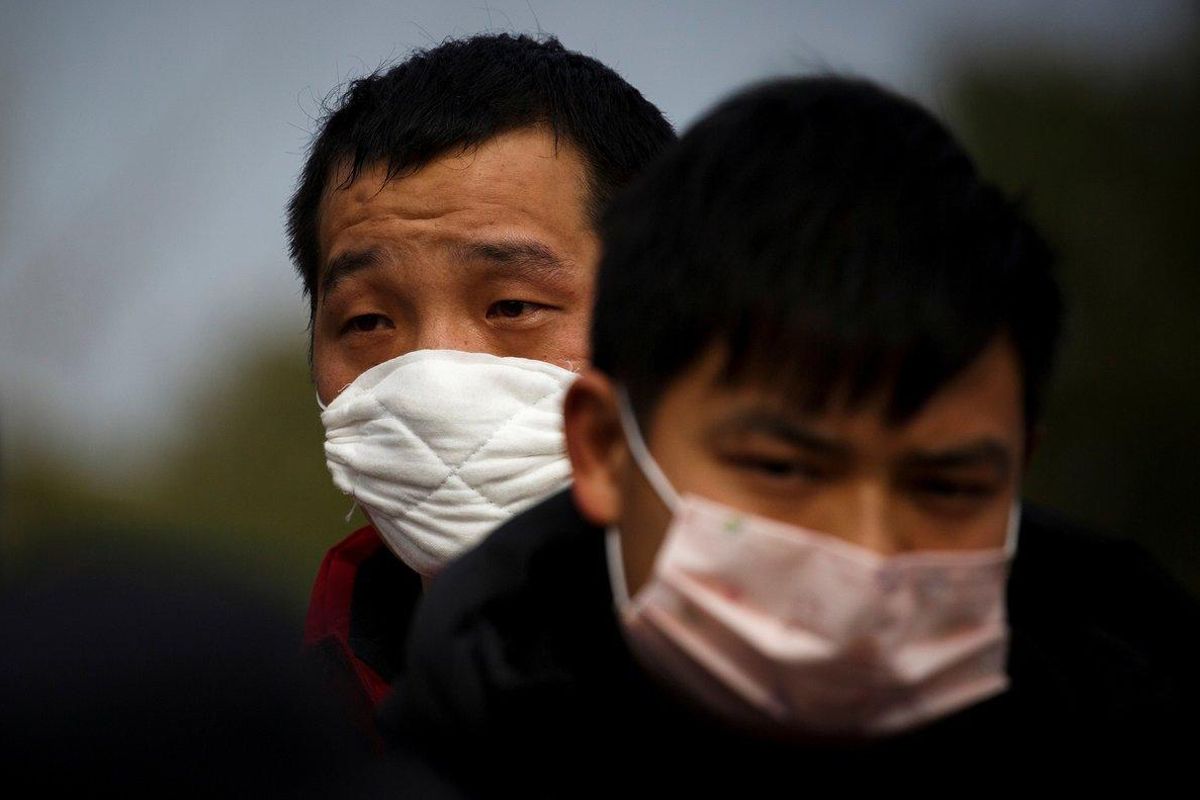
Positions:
{"x": 836, "y": 239}
{"x": 459, "y": 95}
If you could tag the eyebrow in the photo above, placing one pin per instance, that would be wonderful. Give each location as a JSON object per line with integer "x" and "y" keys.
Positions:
{"x": 987, "y": 452}
{"x": 519, "y": 257}
{"x": 347, "y": 264}
{"x": 784, "y": 429}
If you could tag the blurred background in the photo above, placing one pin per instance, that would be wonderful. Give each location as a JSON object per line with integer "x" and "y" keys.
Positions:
{"x": 153, "y": 376}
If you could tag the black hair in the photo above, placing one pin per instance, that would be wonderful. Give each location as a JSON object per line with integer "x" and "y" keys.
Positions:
{"x": 836, "y": 240}
{"x": 462, "y": 93}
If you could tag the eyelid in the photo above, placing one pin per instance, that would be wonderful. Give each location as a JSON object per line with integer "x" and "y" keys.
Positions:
{"x": 794, "y": 467}
{"x": 528, "y": 302}
{"x": 339, "y": 307}
{"x": 531, "y": 308}
{"x": 347, "y": 325}
{"x": 954, "y": 487}
{"x": 764, "y": 448}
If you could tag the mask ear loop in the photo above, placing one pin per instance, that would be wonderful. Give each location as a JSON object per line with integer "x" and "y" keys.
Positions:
{"x": 325, "y": 407}
{"x": 1014, "y": 527}
{"x": 616, "y": 568}
{"x": 658, "y": 482}
{"x": 641, "y": 454}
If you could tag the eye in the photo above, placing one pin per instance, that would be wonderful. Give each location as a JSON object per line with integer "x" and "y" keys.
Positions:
{"x": 366, "y": 323}
{"x": 774, "y": 468}
{"x": 511, "y": 309}
{"x": 953, "y": 489}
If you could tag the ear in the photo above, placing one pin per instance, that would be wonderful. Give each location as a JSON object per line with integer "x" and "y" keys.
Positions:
{"x": 595, "y": 445}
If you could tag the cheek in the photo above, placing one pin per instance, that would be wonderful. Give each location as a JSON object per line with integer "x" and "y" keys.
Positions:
{"x": 986, "y": 528}
{"x": 329, "y": 375}
{"x": 643, "y": 522}
{"x": 991, "y": 528}
{"x": 1005, "y": 512}
{"x": 563, "y": 344}
{"x": 576, "y": 347}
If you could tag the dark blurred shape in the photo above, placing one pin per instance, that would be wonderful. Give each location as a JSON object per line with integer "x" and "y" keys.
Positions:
{"x": 150, "y": 671}
{"x": 1112, "y": 175}
{"x": 246, "y": 484}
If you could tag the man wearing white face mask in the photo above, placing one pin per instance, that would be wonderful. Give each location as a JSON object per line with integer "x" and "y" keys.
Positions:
{"x": 444, "y": 226}
{"x": 794, "y": 549}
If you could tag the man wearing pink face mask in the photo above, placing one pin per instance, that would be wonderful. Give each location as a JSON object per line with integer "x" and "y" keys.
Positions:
{"x": 794, "y": 547}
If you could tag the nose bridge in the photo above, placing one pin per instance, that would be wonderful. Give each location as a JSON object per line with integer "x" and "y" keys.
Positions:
{"x": 437, "y": 328}
{"x": 874, "y": 523}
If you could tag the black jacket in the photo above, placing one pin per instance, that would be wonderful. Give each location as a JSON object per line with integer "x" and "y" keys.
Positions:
{"x": 519, "y": 680}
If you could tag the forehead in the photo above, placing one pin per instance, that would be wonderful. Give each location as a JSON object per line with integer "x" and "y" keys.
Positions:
{"x": 522, "y": 181}
{"x": 985, "y": 397}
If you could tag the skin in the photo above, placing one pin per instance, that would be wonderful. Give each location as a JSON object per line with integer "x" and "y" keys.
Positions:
{"x": 489, "y": 250}
{"x": 943, "y": 480}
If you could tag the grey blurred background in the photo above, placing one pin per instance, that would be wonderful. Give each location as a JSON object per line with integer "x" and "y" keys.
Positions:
{"x": 153, "y": 375}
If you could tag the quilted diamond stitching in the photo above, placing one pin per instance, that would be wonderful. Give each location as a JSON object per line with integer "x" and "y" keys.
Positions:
{"x": 356, "y": 476}
{"x": 454, "y": 470}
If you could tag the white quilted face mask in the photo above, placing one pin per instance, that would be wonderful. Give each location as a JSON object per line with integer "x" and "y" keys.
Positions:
{"x": 439, "y": 447}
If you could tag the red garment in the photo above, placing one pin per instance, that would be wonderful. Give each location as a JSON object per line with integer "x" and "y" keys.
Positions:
{"x": 330, "y": 610}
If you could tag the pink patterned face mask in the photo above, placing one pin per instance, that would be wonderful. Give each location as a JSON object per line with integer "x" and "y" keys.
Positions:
{"x": 781, "y": 628}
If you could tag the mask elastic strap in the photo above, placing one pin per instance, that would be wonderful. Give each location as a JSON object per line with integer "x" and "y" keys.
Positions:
{"x": 641, "y": 454}
{"x": 320, "y": 405}
{"x": 616, "y": 567}
{"x": 1014, "y": 526}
